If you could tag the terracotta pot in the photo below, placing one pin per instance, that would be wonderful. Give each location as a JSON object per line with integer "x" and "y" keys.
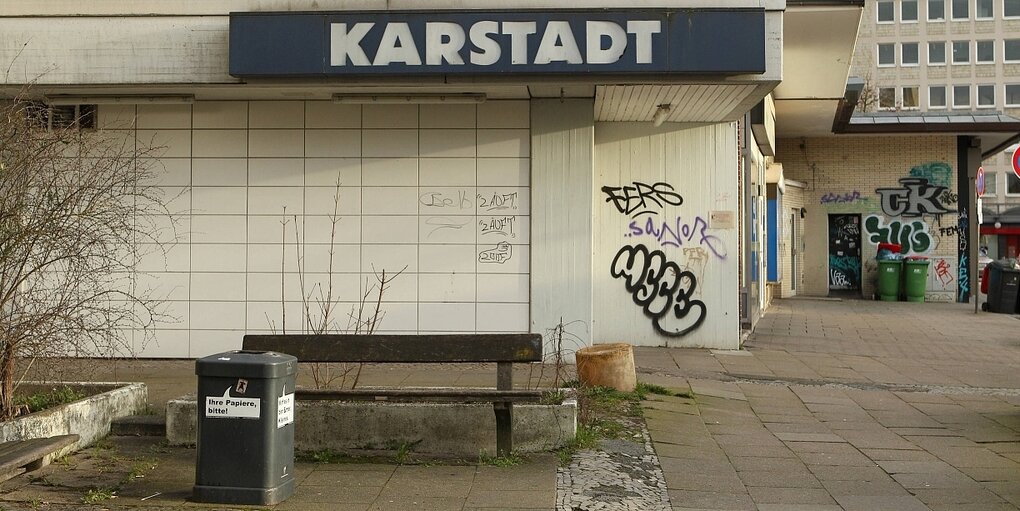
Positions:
{"x": 607, "y": 365}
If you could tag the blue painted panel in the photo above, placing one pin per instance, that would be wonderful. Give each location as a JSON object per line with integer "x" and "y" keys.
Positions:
{"x": 772, "y": 241}
{"x": 629, "y": 41}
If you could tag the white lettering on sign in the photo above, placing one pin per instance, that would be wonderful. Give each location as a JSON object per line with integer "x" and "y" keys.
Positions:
{"x": 605, "y": 43}
{"x": 284, "y": 409}
{"x": 226, "y": 407}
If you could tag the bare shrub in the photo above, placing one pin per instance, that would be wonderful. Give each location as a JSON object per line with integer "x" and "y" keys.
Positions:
{"x": 75, "y": 206}
{"x": 321, "y": 302}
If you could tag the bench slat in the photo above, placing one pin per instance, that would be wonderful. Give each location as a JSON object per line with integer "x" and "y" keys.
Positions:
{"x": 23, "y": 452}
{"x": 420, "y": 395}
{"x": 401, "y": 348}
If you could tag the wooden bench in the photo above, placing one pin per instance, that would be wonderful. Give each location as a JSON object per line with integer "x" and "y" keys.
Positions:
{"x": 503, "y": 349}
{"x": 22, "y": 456}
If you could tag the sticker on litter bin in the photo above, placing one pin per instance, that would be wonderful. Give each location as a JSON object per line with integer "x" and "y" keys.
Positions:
{"x": 227, "y": 407}
{"x": 284, "y": 410}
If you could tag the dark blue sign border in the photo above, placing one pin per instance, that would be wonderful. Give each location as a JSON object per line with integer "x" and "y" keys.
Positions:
{"x": 690, "y": 41}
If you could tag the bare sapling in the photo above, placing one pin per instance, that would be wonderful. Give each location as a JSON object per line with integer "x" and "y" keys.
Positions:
{"x": 321, "y": 301}
{"x": 76, "y": 206}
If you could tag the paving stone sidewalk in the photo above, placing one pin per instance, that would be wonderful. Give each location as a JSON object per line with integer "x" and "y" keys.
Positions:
{"x": 832, "y": 405}
{"x": 845, "y": 405}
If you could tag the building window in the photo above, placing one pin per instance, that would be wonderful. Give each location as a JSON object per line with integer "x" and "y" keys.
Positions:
{"x": 1012, "y": 184}
{"x": 937, "y": 53}
{"x": 1013, "y": 95}
{"x": 984, "y": 10}
{"x": 886, "y": 55}
{"x": 961, "y": 96}
{"x": 908, "y": 54}
{"x": 910, "y": 99}
{"x": 937, "y": 96}
{"x": 886, "y": 98}
{"x": 985, "y": 52}
{"x": 961, "y": 9}
{"x": 908, "y": 11}
{"x": 1011, "y": 8}
{"x": 986, "y": 96}
{"x": 991, "y": 179}
{"x": 937, "y": 10}
{"x": 62, "y": 117}
{"x": 961, "y": 52}
{"x": 886, "y": 11}
{"x": 1011, "y": 50}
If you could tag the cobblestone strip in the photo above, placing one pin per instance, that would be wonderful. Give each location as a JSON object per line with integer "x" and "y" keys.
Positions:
{"x": 622, "y": 475}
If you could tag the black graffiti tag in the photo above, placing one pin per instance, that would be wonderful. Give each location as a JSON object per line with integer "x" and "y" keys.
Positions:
{"x": 915, "y": 198}
{"x": 640, "y": 198}
{"x": 660, "y": 287}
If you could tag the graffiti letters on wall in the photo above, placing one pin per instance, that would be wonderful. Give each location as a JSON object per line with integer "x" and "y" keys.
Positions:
{"x": 963, "y": 279}
{"x": 909, "y": 210}
{"x": 641, "y": 199}
{"x": 663, "y": 288}
{"x": 678, "y": 233}
{"x": 912, "y": 235}
{"x": 841, "y": 198}
{"x": 915, "y": 198}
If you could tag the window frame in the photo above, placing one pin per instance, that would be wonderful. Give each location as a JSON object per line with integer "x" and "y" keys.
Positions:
{"x": 990, "y": 177}
{"x": 878, "y": 12}
{"x": 917, "y": 97}
{"x": 917, "y": 12}
{"x": 1005, "y": 57}
{"x": 952, "y": 58}
{"x": 945, "y": 98}
{"x": 1005, "y": 95}
{"x": 928, "y": 12}
{"x": 887, "y": 108}
{"x": 977, "y": 10}
{"x": 977, "y": 51}
{"x": 1005, "y": 190}
{"x": 930, "y": 63}
{"x": 1014, "y": 16}
{"x": 878, "y": 52}
{"x": 952, "y": 11}
{"x": 977, "y": 90}
{"x": 961, "y": 106}
{"x": 917, "y": 55}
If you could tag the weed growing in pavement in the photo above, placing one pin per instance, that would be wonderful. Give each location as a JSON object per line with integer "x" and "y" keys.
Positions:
{"x": 643, "y": 389}
{"x": 552, "y": 397}
{"x": 687, "y": 394}
{"x": 606, "y": 413}
{"x": 96, "y": 495}
{"x": 140, "y": 468}
{"x": 324, "y": 456}
{"x": 403, "y": 455}
{"x": 510, "y": 460}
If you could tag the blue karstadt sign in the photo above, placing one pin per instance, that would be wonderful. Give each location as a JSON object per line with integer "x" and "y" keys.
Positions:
{"x": 614, "y": 41}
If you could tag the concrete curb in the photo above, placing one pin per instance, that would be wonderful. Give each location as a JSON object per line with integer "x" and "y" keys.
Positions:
{"x": 88, "y": 418}
{"x": 462, "y": 430}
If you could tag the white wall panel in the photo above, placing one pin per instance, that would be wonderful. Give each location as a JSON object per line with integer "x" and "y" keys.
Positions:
{"x": 562, "y": 161}
{"x": 672, "y": 191}
{"x": 409, "y": 199}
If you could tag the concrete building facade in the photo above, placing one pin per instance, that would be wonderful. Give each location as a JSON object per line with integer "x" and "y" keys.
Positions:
{"x": 945, "y": 56}
{"x": 307, "y": 147}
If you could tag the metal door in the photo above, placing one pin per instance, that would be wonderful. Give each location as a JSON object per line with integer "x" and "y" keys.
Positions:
{"x": 845, "y": 252}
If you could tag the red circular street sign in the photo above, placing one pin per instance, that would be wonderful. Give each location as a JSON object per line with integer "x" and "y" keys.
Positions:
{"x": 979, "y": 182}
{"x": 1016, "y": 161}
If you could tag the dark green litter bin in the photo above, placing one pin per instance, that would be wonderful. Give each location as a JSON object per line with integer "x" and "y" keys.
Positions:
{"x": 889, "y": 280}
{"x": 915, "y": 278}
{"x": 245, "y": 428}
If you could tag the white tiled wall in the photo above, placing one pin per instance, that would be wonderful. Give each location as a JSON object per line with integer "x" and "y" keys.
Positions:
{"x": 424, "y": 188}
